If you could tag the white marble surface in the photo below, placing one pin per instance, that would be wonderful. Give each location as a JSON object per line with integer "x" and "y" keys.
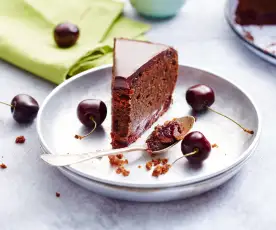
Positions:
{"x": 204, "y": 40}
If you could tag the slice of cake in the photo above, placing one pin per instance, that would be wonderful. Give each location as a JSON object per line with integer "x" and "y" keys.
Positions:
{"x": 143, "y": 81}
{"x": 256, "y": 12}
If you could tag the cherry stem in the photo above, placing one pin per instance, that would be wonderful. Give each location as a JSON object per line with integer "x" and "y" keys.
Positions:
{"x": 186, "y": 155}
{"x": 244, "y": 129}
{"x": 95, "y": 126}
{"x": 6, "y": 104}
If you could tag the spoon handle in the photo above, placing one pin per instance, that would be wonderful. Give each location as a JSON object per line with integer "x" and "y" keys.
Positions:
{"x": 68, "y": 159}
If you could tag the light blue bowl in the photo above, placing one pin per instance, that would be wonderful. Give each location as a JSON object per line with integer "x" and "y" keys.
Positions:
{"x": 157, "y": 8}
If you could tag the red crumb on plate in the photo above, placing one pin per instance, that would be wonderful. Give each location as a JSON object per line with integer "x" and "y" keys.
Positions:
{"x": 164, "y": 161}
{"x": 156, "y": 161}
{"x": 149, "y": 165}
{"x": 20, "y": 140}
{"x": 115, "y": 161}
{"x": 119, "y": 170}
{"x": 248, "y": 36}
{"x": 3, "y": 166}
{"x": 118, "y": 161}
{"x": 126, "y": 172}
{"x": 122, "y": 170}
{"x": 160, "y": 170}
{"x": 157, "y": 171}
{"x": 165, "y": 168}
{"x": 120, "y": 156}
{"x": 57, "y": 194}
{"x": 214, "y": 145}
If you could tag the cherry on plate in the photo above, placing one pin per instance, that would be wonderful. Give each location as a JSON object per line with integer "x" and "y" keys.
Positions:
{"x": 200, "y": 97}
{"x": 91, "y": 113}
{"x": 195, "y": 147}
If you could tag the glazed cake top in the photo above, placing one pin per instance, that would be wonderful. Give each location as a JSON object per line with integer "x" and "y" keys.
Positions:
{"x": 130, "y": 55}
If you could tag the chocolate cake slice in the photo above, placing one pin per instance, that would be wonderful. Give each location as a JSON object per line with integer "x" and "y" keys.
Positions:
{"x": 143, "y": 81}
{"x": 256, "y": 12}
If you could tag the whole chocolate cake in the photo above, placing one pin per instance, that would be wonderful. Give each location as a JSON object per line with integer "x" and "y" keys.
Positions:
{"x": 256, "y": 12}
{"x": 143, "y": 81}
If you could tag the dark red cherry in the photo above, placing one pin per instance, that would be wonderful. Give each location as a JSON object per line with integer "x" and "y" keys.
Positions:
{"x": 66, "y": 34}
{"x": 24, "y": 108}
{"x": 195, "y": 147}
{"x": 199, "y": 97}
{"x": 91, "y": 113}
{"x": 91, "y": 110}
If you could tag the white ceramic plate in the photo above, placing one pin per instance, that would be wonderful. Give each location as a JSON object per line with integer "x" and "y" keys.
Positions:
{"x": 153, "y": 194}
{"x": 57, "y": 124}
{"x": 264, "y": 43}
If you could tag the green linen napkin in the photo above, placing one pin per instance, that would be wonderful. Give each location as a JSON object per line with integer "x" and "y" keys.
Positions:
{"x": 26, "y": 34}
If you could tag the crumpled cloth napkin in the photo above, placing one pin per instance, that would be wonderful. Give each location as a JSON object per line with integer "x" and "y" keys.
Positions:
{"x": 26, "y": 35}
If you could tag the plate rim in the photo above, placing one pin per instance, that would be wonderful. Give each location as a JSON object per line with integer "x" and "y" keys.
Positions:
{"x": 245, "y": 154}
{"x": 144, "y": 194}
{"x": 250, "y": 44}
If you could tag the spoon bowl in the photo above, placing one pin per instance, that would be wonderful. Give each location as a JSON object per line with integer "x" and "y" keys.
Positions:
{"x": 186, "y": 123}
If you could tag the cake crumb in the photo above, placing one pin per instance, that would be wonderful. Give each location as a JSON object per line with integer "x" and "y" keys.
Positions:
{"x": 120, "y": 156}
{"x": 161, "y": 170}
{"x": 249, "y": 36}
{"x": 166, "y": 168}
{"x": 115, "y": 161}
{"x": 214, "y": 145}
{"x": 149, "y": 165}
{"x": 76, "y": 136}
{"x": 119, "y": 170}
{"x": 126, "y": 172}
{"x": 3, "y": 166}
{"x": 123, "y": 171}
{"x": 157, "y": 171}
{"x": 20, "y": 140}
{"x": 139, "y": 166}
{"x": 156, "y": 161}
{"x": 57, "y": 194}
{"x": 164, "y": 161}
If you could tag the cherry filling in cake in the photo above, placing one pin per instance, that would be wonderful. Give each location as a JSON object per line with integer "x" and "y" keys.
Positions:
{"x": 165, "y": 135}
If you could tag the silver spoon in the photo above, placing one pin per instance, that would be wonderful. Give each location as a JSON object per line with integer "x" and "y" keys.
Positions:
{"x": 186, "y": 122}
